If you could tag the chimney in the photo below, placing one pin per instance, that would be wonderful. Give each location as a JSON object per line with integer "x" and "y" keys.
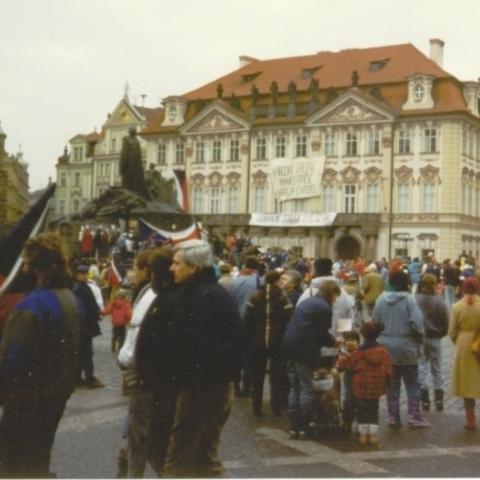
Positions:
{"x": 436, "y": 51}
{"x": 246, "y": 60}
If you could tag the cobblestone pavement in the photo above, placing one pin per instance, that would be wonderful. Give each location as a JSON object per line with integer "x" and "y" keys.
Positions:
{"x": 89, "y": 437}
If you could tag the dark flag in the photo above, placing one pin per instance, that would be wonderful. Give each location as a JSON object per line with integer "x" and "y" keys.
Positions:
{"x": 11, "y": 245}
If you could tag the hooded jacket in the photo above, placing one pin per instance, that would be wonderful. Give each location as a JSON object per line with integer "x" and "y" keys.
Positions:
{"x": 121, "y": 311}
{"x": 403, "y": 330}
{"x": 343, "y": 306}
{"x": 371, "y": 367}
{"x": 435, "y": 315}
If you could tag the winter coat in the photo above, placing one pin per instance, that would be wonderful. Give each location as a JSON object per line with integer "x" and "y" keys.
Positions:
{"x": 402, "y": 321}
{"x": 87, "y": 241}
{"x": 121, "y": 311}
{"x": 435, "y": 315}
{"x": 373, "y": 287}
{"x": 414, "y": 269}
{"x": 40, "y": 346}
{"x": 464, "y": 321}
{"x": 140, "y": 308}
{"x": 294, "y": 296}
{"x": 308, "y": 331}
{"x": 156, "y": 349}
{"x": 90, "y": 306}
{"x": 371, "y": 367}
{"x": 206, "y": 341}
{"x": 451, "y": 275}
{"x": 343, "y": 306}
{"x": 266, "y": 316}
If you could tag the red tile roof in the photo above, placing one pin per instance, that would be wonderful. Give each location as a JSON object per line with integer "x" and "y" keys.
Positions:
{"x": 148, "y": 113}
{"x": 89, "y": 137}
{"x": 396, "y": 63}
{"x": 334, "y": 70}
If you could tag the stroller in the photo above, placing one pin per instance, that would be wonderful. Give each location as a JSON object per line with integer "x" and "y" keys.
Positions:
{"x": 326, "y": 384}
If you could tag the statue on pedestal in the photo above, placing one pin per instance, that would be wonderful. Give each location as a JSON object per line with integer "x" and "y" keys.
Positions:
{"x": 131, "y": 167}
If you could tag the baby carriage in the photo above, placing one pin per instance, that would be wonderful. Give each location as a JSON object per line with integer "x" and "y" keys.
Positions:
{"x": 326, "y": 384}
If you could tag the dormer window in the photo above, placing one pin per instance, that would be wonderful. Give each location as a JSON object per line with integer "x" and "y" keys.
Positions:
{"x": 308, "y": 72}
{"x": 418, "y": 93}
{"x": 175, "y": 109}
{"x": 420, "y": 88}
{"x": 249, "y": 77}
{"x": 378, "y": 65}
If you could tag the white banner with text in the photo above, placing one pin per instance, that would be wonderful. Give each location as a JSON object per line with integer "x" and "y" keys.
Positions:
{"x": 292, "y": 219}
{"x": 296, "y": 178}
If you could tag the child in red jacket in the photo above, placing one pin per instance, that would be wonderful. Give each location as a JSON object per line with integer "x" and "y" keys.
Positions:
{"x": 371, "y": 366}
{"x": 121, "y": 311}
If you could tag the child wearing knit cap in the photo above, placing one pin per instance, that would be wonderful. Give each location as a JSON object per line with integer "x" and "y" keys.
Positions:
{"x": 371, "y": 367}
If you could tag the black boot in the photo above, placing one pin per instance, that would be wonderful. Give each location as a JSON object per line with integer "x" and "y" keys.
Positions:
{"x": 425, "y": 397}
{"x": 438, "y": 400}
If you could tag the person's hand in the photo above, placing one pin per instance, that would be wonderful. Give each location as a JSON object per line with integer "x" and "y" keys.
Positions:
{"x": 339, "y": 341}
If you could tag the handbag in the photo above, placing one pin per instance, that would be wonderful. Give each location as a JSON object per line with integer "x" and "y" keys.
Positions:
{"x": 475, "y": 345}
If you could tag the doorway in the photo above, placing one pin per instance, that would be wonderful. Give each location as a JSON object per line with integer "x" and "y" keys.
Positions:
{"x": 348, "y": 248}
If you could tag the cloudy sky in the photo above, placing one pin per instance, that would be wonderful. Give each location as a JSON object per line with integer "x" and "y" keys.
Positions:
{"x": 64, "y": 63}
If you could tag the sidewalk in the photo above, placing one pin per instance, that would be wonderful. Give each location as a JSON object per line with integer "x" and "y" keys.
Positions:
{"x": 90, "y": 436}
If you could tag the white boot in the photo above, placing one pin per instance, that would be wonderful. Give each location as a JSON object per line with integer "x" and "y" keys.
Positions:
{"x": 373, "y": 434}
{"x": 363, "y": 433}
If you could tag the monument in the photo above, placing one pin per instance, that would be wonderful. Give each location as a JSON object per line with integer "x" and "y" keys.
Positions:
{"x": 149, "y": 196}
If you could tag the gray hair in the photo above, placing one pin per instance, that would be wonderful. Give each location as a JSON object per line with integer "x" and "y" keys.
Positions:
{"x": 196, "y": 253}
{"x": 294, "y": 277}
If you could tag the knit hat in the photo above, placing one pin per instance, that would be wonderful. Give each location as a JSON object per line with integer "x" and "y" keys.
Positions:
{"x": 122, "y": 293}
{"x": 470, "y": 286}
{"x": 82, "y": 269}
{"x": 370, "y": 330}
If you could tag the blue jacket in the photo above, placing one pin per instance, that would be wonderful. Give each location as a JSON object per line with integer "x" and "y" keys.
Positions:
{"x": 414, "y": 269}
{"x": 40, "y": 347}
{"x": 308, "y": 331}
{"x": 403, "y": 328}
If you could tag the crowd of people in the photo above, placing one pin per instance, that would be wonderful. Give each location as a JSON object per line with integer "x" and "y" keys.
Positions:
{"x": 196, "y": 321}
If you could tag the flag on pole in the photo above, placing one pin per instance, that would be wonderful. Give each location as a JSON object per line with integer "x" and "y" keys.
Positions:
{"x": 182, "y": 189}
{"x": 115, "y": 278}
{"x": 12, "y": 283}
{"x": 11, "y": 246}
{"x": 149, "y": 231}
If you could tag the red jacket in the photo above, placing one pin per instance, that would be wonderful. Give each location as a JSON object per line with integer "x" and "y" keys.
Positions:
{"x": 371, "y": 367}
{"x": 121, "y": 311}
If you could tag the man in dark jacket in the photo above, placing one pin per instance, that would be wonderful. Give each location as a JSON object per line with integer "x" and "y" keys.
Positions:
{"x": 91, "y": 327}
{"x": 435, "y": 319}
{"x": 207, "y": 357}
{"x": 38, "y": 361}
{"x": 266, "y": 316}
{"x": 306, "y": 334}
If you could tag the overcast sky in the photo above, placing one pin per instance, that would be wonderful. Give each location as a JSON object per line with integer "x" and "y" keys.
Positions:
{"x": 64, "y": 63}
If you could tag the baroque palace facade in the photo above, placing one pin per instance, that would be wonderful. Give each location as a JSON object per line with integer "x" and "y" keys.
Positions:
{"x": 370, "y": 151}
